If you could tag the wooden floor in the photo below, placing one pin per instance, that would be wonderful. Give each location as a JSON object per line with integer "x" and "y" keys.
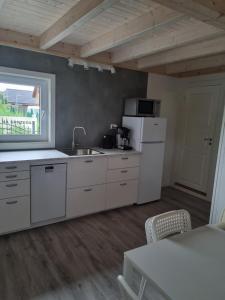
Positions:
{"x": 80, "y": 259}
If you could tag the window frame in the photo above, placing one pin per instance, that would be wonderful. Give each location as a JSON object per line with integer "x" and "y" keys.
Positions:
{"x": 38, "y": 144}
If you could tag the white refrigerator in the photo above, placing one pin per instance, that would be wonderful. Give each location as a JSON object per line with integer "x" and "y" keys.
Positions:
{"x": 148, "y": 136}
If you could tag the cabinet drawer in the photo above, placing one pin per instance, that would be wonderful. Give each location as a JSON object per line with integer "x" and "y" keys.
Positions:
{"x": 121, "y": 193}
{"x": 123, "y": 161}
{"x": 87, "y": 200}
{"x": 14, "y": 214}
{"x": 86, "y": 171}
{"x": 122, "y": 174}
{"x": 12, "y": 167}
{"x": 14, "y": 176}
{"x": 14, "y": 188}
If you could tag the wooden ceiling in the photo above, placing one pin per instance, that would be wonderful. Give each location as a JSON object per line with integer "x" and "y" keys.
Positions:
{"x": 174, "y": 37}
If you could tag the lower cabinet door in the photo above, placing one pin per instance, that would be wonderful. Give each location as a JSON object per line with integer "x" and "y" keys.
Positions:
{"x": 14, "y": 214}
{"x": 86, "y": 200}
{"x": 121, "y": 193}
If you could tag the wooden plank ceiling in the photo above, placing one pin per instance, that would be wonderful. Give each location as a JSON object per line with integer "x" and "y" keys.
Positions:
{"x": 173, "y": 37}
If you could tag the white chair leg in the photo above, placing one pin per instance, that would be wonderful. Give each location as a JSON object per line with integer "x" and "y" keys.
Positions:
{"x": 142, "y": 288}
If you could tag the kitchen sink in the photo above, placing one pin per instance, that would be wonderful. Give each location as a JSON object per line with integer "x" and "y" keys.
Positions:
{"x": 81, "y": 151}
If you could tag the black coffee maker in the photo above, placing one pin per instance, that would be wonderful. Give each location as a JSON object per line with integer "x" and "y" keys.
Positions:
{"x": 123, "y": 138}
{"x": 109, "y": 139}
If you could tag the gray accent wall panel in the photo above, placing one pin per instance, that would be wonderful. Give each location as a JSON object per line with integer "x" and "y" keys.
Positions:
{"x": 90, "y": 98}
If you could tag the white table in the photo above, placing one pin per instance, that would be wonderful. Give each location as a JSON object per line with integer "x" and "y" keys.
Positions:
{"x": 190, "y": 266}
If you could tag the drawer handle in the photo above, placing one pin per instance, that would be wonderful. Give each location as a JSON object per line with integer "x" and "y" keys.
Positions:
{"x": 11, "y": 185}
{"x": 11, "y": 176}
{"x": 87, "y": 190}
{"x": 11, "y": 202}
{"x": 124, "y": 158}
{"x": 124, "y": 171}
{"x": 89, "y": 161}
{"x": 11, "y": 167}
{"x": 123, "y": 184}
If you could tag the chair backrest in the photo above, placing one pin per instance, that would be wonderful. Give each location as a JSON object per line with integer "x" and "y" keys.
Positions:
{"x": 222, "y": 218}
{"x": 166, "y": 224}
{"x": 127, "y": 292}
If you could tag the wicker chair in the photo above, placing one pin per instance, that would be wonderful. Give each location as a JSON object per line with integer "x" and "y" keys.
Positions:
{"x": 167, "y": 224}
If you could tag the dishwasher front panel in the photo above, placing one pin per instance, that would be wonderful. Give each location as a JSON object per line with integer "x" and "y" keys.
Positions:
{"x": 48, "y": 192}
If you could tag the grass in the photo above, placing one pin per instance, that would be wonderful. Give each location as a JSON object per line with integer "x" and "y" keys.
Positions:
{"x": 5, "y": 111}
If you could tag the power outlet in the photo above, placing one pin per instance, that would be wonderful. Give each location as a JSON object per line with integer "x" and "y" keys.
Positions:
{"x": 113, "y": 126}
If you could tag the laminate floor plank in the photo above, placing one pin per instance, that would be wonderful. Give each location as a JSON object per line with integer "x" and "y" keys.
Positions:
{"x": 80, "y": 259}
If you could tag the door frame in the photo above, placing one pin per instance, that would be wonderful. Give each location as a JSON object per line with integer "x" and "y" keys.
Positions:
{"x": 218, "y": 81}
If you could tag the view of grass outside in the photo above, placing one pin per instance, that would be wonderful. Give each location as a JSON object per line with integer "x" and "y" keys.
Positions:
{"x": 19, "y": 109}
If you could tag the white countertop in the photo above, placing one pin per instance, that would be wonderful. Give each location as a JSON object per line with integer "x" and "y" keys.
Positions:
{"x": 30, "y": 155}
{"x": 33, "y": 155}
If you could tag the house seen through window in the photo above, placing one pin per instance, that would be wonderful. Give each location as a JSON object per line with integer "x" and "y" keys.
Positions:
{"x": 19, "y": 109}
{"x": 26, "y": 109}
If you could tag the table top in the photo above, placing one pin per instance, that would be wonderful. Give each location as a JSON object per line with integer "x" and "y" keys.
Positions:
{"x": 186, "y": 266}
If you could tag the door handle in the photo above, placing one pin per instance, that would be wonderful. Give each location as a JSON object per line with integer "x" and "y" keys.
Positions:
{"x": 209, "y": 140}
{"x": 49, "y": 169}
{"x": 87, "y": 190}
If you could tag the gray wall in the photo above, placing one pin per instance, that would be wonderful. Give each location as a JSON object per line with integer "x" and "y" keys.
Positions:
{"x": 84, "y": 98}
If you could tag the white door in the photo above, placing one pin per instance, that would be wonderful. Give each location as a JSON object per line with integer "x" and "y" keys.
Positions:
{"x": 196, "y": 136}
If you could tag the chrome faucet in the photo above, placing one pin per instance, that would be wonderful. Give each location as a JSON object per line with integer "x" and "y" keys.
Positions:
{"x": 74, "y": 129}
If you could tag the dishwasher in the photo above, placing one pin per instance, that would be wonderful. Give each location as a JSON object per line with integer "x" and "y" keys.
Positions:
{"x": 48, "y": 192}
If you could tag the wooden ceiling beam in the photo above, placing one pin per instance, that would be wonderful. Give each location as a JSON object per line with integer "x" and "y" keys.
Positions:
{"x": 205, "y": 71}
{"x": 196, "y": 64}
{"x": 196, "y": 50}
{"x": 80, "y": 13}
{"x": 129, "y": 31}
{"x": 208, "y": 11}
{"x": 192, "y": 32}
{"x": 30, "y": 42}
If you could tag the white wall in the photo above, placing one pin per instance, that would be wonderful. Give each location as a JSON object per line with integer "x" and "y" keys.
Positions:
{"x": 218, "y": 200}
{"x": 169, "y": 91}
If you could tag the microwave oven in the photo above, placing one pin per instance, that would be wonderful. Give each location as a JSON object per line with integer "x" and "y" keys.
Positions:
{"x": 142, "y": 107}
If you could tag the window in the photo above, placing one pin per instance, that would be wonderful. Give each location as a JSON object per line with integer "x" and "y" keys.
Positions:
{"x": 27, "y": 101}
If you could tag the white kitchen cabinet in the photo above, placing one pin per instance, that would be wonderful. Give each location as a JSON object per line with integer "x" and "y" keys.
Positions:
{"x": 122, "y": 174}
{"x": 14, "y": 188}
{"x": 123, "y": 161}
{"x": 12, "y": 167}
{"x": 121, "y": 193}
{"x": 14, "y": 214}
{"x": 94, "y": 184}
{"x": 85, "y": 200}
{"x": 14, "y": 176}
{"x": 86, "y": 171}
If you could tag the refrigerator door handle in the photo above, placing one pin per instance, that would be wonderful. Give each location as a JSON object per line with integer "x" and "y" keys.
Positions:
{"x": 156, "y": 142}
